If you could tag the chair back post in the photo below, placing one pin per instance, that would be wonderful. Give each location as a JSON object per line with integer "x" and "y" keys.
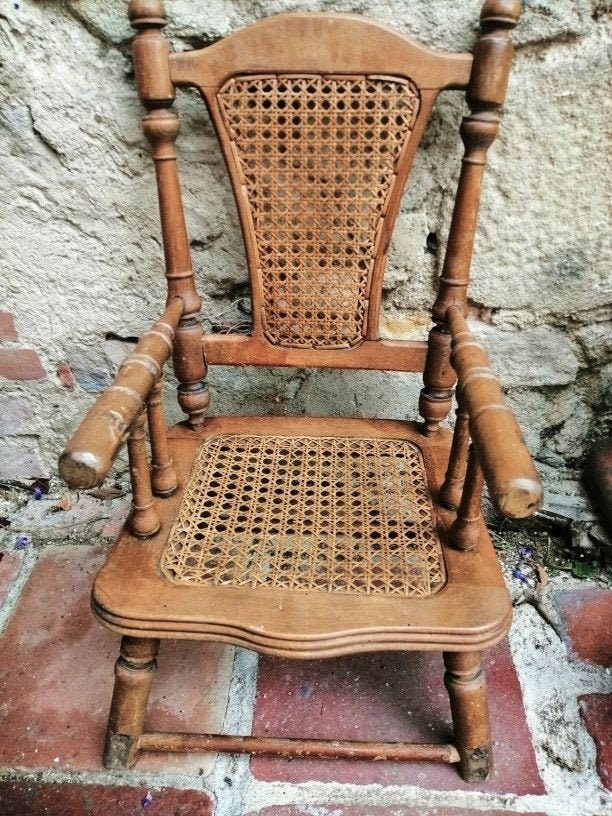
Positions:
{"x": 485, "y": 95}
{"x": 161, "y": 126}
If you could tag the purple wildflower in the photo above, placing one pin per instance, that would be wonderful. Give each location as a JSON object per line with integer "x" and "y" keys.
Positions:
{"x": 306, "y": 691}
{"x": 518, "y": 573}
{"x": 525, "y": 553}
{"x": 38, "y": 494}
{"x": 146, "y": 801}
{"x": 22, "y": 542}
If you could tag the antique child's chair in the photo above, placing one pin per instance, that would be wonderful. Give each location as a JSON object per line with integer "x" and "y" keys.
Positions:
{"x": 311, "y": 537}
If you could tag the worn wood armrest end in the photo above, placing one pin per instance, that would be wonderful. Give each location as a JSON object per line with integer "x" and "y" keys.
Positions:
{"x": 89, "y": 454}
{"x": 514, "y": 485}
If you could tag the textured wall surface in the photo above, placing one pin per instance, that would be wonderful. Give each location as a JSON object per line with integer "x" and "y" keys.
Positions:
{"x": 80, "y": 250}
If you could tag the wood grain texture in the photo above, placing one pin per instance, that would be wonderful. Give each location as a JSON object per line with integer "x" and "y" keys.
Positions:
{"x": 467, "y": 689}
{"x": 287, "y": 747}
{"x": 163, "y": 474}
{"x": 144, "y": 520}
{"x": 452, "y": 489}
{"x": 134, "y": 671}
{"x": 160, "y": 125}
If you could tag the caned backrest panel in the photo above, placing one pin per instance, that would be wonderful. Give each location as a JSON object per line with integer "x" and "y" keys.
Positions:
{"x": 317, "y": 157}
{"x": 318, "y": 117}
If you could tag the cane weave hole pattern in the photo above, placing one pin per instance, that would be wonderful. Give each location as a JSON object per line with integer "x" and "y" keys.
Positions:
{"x": 317, "y": 158}
{"x": 303, "y": 513}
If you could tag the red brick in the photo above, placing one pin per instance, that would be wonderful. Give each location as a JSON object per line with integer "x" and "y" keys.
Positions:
{"x": 7, "y": 327}
{"x": 21, "y": 364}
{"x": 390, "y": 696}
{"x": 596, "y": 712}
{"x": 598, "y": 475}
{"x": 23, "y": 798}
{"x": 10, "y": 564}
{"x": 66, "y": 376}
{"x": 585, "y": 616}
{"x": 391, "y": 810}
{"x": 56, "y": 674}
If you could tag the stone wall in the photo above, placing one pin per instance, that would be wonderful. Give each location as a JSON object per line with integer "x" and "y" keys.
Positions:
{"x": 79, "y": 243}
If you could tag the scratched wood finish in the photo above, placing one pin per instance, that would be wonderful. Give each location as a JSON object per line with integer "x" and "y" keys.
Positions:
{"x": 134, "y": 672}
{"x": 89, "y": 454}
{"x": 514, "y": 485}
{"x": 467, "y": 689}
{"x": 472, "y": 612}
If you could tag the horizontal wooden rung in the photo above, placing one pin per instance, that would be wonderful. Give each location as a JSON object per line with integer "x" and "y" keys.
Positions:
{"x": 380, "y": 355}
{"x": 178, "y": 742}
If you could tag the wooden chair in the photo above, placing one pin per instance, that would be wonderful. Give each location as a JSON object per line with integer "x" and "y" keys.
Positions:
{"x": 311, "y": 537}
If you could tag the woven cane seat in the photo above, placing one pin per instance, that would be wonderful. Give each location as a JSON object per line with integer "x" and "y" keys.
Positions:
{"x": 316, "y": 514}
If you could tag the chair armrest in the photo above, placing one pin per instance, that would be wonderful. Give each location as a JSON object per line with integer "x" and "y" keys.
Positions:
{"x": 89, "y": 454}
{"x": 514, "y": 485}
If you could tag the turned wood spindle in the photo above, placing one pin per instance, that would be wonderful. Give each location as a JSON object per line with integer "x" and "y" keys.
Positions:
{"x": 163, "y": 473}
{"x": 464, "y": 532}
{"x": 161, "y": 126}
{"x": 486, "y": 93}
{"x": 144, "y": 520}
{"x": 466, "y": 684}
{"x": 134, "y": 672}
{"x": 439, "y": 378}
{"x": 452, "y": 489}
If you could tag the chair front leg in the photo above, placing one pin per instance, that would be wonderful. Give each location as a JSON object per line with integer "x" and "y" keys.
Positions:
{"x": 134, "y": 672}
{"x": 466, "y": 684}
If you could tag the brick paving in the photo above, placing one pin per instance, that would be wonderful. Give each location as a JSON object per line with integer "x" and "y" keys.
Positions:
{"x": 596, "y": 710}
{"x": 56, "y": 676}
{"x": 586, "y": 615}
{"x": 10, "y": 564}
{"x": 56, "y": 680}
{"x": 394, "y": 696}
{"x": 7, "y": 327}
{"x": 65, "y": 799}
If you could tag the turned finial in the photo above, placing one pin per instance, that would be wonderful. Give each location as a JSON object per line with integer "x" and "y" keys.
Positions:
{"x": 147, "y": 13}
{"x": 500, "y": 13}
